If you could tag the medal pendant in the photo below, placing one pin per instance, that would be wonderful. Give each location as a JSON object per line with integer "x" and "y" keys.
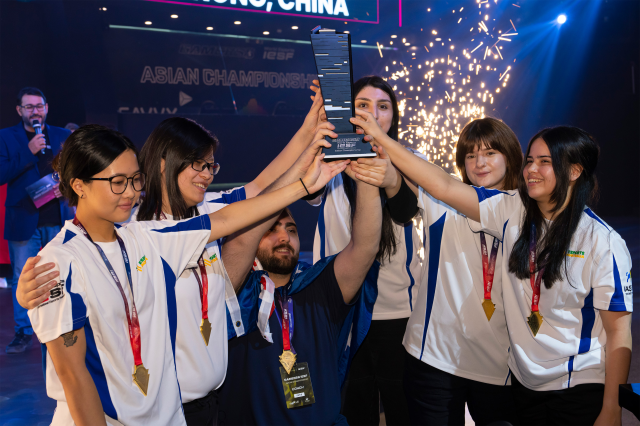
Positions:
{"x": 489, "y": 308}
{"x": 141, "y": 378}
{"x": 205, "y": 330}
{"x": 288, "y": 360}
{"x": 535, "y": 322}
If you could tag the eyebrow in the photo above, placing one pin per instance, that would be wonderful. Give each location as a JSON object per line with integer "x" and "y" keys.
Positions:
{"x": 539, "y": 156}
{"x": 367, "y": 99}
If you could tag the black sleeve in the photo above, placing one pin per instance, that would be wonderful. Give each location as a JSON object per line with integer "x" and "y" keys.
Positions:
{"x": 404, "y": 205}
{"x": 326, "y": 287}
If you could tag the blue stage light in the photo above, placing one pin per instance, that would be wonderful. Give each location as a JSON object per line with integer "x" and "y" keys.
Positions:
{"x": 562, "y": 19}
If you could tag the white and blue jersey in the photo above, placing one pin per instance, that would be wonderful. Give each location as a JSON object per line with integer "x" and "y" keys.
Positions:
{"x": 88, "y": 298}
{"x": 448, "y": 328}
{"x": 399, "y": 277}
{"x": 569, "y": 348}
{"x": 202, "y": 368}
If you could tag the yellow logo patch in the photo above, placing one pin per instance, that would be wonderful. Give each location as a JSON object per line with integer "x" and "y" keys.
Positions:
{"x": 571, "y": 253}
{"x": 141, "y": 263}
{"x": 213, "y": 259}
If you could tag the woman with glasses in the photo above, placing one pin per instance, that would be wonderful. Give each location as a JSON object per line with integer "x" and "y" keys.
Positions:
{"x": 109, "y": 323}
{"x": 178, "y": 159}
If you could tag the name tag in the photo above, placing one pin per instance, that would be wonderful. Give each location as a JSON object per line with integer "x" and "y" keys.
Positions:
{"x": 298, "y": 391}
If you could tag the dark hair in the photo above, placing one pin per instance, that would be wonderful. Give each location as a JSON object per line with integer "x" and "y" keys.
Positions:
{"x": 568, "y": 146}
{"x": 86, "y": 152}
{"x": 387, "y": 247}
{"x": 179, "y": 142}
{"x": 30, "y": 91}
{"x": 494, "y": 134}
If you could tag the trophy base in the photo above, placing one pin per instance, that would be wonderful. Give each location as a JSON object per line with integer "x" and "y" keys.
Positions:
{"x": 347, "y": 146}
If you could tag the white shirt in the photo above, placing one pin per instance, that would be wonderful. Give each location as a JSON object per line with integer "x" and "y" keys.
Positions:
{"x": 90, "y": 299}
{"x": 448, "y": 328}
{"x": 202, "y": 368}
{"x": 399, "y": 277}
{"x": 569, "y": 348}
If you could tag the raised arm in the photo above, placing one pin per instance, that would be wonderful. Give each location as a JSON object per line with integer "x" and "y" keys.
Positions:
{"x": 300, "y": 141}
{"x": 432, "y": 178}
{"x": 68, "y": 356}
{"x": 242, "y": 214}
{"x": 353, "y": 263}
{"x": 239, "y": 250}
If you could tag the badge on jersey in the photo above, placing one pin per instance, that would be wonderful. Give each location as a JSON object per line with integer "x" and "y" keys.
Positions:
{"x": 298, "y": 391}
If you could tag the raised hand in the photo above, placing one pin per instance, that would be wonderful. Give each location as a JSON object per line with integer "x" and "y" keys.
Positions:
{"x": 366, "y": 123}
{"x": 316, "y": 116}
{"x": 320, "y": 173}
{"x": 375, "y": 171}
{"x": 31, "y": 292}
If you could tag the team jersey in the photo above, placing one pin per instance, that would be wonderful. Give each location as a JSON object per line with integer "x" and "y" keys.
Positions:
{"x": 569, "y": 348}
{"x": 448, "y": 328}
{"x": 399, "y": 277}
{"x": 202, "y": 368}
{"x": 88, "y": 298}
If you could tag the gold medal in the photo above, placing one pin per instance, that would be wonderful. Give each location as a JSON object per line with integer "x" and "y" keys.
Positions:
{"x": 141, "y": 378}
{"x": 489, "y": 308}
{"x": 288, "y": 360}
{"x": 535, "y": 322}
{"x": 205, "y": 330}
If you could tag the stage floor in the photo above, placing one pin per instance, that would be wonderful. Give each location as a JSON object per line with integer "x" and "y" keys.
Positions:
{"x": 23, "y": 399}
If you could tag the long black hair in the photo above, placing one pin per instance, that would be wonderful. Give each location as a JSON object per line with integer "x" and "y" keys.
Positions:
{"x": 179, "y": 142}
{"x": 86, "y": 152}
{"x": 387, "y": 247}
{"x": 568, "y": 146}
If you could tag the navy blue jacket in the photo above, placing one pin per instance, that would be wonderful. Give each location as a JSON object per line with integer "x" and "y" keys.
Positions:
{"x": 19, "y": 169}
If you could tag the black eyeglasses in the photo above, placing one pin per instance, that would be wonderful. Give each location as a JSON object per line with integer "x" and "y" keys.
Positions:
{"x": 30, "y": 107}
{"x": 119, "y": 183}
{"x": 200, "y": 165}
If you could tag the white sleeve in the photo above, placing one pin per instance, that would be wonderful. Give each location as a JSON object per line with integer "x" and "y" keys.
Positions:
{"x": 179, "y": 243}
{"x": 65, "y": 309}
{"x": 611, "y": 276}
{"x": 216, "y": 200}
{"x": 333, "y": 231}
{"x": 496, "y": 207}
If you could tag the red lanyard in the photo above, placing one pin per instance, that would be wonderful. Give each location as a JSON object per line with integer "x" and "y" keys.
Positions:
{"x": 132, "y": 320}
{"x": 535, "y": 281}
{"x": 488, "y": 264}
{"x": 204, "y": 287}
{"x": 286, "y": 304}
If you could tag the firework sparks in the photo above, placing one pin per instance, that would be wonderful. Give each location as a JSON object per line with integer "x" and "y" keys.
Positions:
{"x": 450, "y": 84}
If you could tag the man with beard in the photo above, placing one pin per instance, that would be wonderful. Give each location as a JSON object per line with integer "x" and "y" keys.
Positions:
{"x": 25, "y": 157}
{"x": 318, "y": 316}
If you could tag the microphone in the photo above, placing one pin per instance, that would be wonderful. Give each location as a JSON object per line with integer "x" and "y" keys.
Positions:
{"x": 38, "y": 129}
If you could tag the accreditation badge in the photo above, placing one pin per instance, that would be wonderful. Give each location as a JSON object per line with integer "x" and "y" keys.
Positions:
{"x": 298, "y": 391}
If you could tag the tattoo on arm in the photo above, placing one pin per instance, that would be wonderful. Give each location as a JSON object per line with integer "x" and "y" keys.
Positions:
{"x": 69, "y": 339}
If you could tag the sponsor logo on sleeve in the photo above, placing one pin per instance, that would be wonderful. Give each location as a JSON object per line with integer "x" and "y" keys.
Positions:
{"x": 55, "y": 294}
{"x": 141, "y": 263}
{"x": 628, "y": 288}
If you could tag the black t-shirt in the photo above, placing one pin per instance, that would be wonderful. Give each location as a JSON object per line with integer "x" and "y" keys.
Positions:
{"x": 252, "y": 392}
{"x": 49, "y": 214}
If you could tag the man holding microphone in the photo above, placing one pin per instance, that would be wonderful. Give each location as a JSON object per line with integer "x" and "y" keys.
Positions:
{"x": 26, "y": 152}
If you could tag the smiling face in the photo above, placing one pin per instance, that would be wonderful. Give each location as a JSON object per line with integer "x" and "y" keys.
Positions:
{"x": 279, "y": 247}
{"x": 486, "y": 167}
{"x": 97, "y": 198}
{"x": 193, "y": 184}
{"x": 378, "y": 103}
{"x": 538, "y": 172}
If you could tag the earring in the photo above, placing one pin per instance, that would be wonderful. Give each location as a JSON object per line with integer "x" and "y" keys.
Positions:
{"x": 82, "y": 196}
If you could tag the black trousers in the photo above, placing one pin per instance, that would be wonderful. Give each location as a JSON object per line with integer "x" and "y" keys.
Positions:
{"x": 436, "y": 398}
{"x": 579, "y": 405}
{"x": 376, "y": 376}
{"x": 203, "y": 411}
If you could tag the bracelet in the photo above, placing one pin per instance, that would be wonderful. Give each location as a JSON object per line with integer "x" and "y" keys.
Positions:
{"x": 305, "y": 186}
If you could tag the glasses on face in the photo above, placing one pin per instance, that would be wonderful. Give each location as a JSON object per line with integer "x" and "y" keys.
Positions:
{"x": 200, "y": 165}
{"x": 30, "y": 108}
{"x": 119, "y": 183}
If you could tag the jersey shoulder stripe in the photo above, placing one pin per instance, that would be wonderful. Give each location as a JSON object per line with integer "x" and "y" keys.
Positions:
{"x": 592, "y": 215}
{"x": 194, "y": 224}
{"x": 484, "y": 193}
{"x": 227, "y": 197}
